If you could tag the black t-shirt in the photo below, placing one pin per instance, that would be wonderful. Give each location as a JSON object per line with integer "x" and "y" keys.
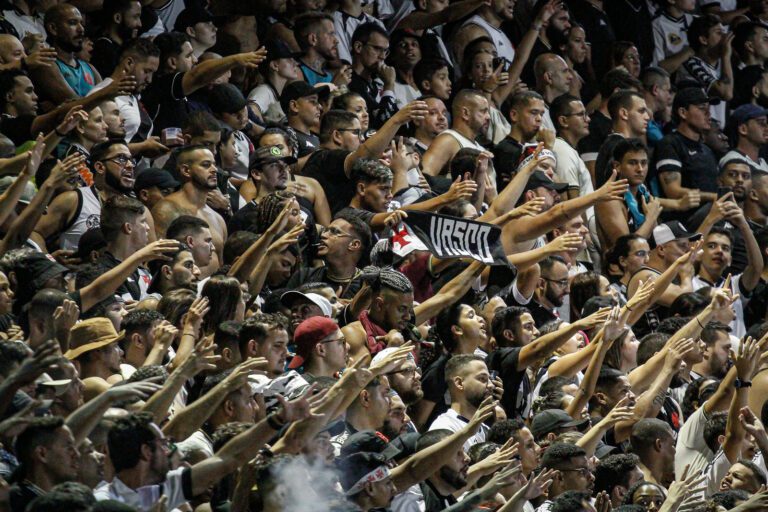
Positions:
{"x": 18, "y": 129}
{"x": 600, "y": 126}
{"x": 165, "y": 101}
{"x": 364, "y": 215}
{"x": 433, "y": 500}
{"x": 308, "y": 143}
{"x": 631, "y": 19}
{"x": 693, "y": 159}
{"x": 506, "y": 157}
{"x": 434, "y": 386}
{"x": 327, "y": 167}
{"x": 604, "y": 162}
{"x": 320, "y": 275}
{"x": 517, "y": 386}
{"x": 599, "y": 32}
{"x": 130, "y": 285}
{"x": 105, "y": 56}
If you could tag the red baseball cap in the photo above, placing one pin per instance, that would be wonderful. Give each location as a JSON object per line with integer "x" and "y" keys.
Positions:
{"x": 307, "y": 335}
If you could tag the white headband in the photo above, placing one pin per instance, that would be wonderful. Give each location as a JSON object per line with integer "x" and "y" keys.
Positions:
{"x": 377, "y": 475}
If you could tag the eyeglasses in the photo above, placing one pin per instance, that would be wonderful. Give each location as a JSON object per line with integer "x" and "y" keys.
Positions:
{"x": 342, "y": 339}
{"x": 408, "y": 372}
{"x": 584, "y": 471}
{"x": 381, "y": 50}
{"x": 333, "y": 231}
{"x": 559, "y": 282}
{"x": 356, "y": 131}
{"x": 121, "y": 160}
{"x": 583, "y": 114}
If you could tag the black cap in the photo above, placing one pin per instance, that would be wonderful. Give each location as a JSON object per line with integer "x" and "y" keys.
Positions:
{"x": 364, "y": 441}
{"x": 550, "y": 420}
{"x": 266, "y": 155}
{"x": 190, "y": 17}
{"x": 357, "y": 465}
{"x": 37, "y": 268}
{"x": 91, "y": 240}
{"x": 402, "y": 446}
{"x": 226, "y": 99}
{"x": 154, "y": 177}
{"x": 277, "y": 49}
{"x": 301, "y": 89}
{"x": 692, "y": 96}
{"x": 539, "y": 179}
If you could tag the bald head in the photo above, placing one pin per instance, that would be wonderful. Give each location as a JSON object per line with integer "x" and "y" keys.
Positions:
{"x": 466, "y": 98}
{"x": 553, "y": 76}
{"x": 11, "y": 49}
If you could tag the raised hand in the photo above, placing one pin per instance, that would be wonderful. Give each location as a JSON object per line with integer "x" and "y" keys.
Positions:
{"x": 46, "y": 355}
{"x": 297, "y": 409}
{"x": 35, "y": 156}
{"x": 414, "y": 110}
{"x": 399, "y": 151}
{"x": 42, "y": 57}
{"x": 197, "y": 311}
{"x": 461, "y": 189}
{"x": 157, "y": 250}
{"x": 65, "y": 317}
{"x": 747, "y": 359}
{"x": 164, "y": 333}
{"x": 595, "y": 319}
{"x": 251, "y": 60}
{"x": 284, "y": 242}
{"x": 642, "y": 295}
{"x": 499, "y": 480}
{"x": 75, "y": 116}
{"x": 677, "y": 352}
{"x": 132, "y": 391}
{"x": 239, "y": 376}
{"x": 201, "y": 358}
{"x": 614, "y": 189}
{"x": 614, "y": 325}
{"x": 623, "y": 411}
{"x": 65, "y": 171}
{"x": 395, "y": 218}
{"x": 529, "y": 208}
{"x": 569, "y": 242}
{"x": 484, "y": 412}
{"x": 393, "y": 360}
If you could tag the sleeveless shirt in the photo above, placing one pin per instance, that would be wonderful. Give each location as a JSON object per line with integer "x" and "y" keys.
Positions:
{"x": 504, "y": 47}
{"x": 87, "y": 216}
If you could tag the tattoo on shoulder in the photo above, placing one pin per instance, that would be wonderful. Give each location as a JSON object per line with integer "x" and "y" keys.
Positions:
{"x": 669, "y": 177}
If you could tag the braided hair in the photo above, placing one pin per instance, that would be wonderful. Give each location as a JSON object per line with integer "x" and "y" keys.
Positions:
{"x": 386, "y": 277}
{"x": 270, "y": 207}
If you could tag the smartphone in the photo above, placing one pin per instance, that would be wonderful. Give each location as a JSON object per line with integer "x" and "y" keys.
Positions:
{"x": 494, "y": 374}
{"x": 498, "y": 61}
{"x": 721, "y": 191}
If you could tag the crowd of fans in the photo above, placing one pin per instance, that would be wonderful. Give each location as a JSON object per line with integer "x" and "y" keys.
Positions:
{"x": 212, "y": 297}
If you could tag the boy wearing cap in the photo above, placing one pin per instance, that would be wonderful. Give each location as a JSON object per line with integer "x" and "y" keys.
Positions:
{"x": 682, "y": 161}
{"x": 278, "y": 69}
{"x": 301, "y": 104}
{"x": 750, "y": 134}
{"x": 305, "y": 305}
{"x": 197, "y": 23}
{"x": 229, "y": 107}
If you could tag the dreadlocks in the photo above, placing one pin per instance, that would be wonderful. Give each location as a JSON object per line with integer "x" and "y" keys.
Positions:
{"x": 270, "y": 207}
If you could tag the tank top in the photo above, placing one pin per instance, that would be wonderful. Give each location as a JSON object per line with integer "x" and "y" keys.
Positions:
{"x": 312, "y": 76}
{"x": 653, "y": 315}
{"x": 504, "y": 47}
{"x": 466, "y": 143}
{"x": 87, "y": 216}
{"x": 81, "y": 78}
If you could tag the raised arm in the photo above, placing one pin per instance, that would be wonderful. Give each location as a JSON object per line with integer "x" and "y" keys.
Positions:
{"x": 746, "y": 364}
{"x": 107, "y": 283}
{"x": 450, "y": 293}
{"x": 543, "y": 346}
{"x": 379, "y": 141}
{"x": 207, "y": 71}
{"x": 419, "y": 20}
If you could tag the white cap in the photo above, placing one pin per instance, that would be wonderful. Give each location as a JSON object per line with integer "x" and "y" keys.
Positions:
{"x": 318, "y": 300}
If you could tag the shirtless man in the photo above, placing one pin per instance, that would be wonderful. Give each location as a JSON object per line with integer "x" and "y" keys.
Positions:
{"x": 196, "y": 168}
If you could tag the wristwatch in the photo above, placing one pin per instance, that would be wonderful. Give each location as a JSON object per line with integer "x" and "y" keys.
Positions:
{"x": 738, "y": 383}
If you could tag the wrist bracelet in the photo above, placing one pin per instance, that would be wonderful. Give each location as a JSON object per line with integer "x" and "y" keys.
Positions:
{"x": 698, "y": 322}
{"x": 273, "y": 422}
{"x": 628, "y": 308}
{"x": 62, "y": 135}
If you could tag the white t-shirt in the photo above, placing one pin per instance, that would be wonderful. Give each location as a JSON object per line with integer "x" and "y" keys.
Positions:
{"x": 670, "y": 35}
{"x": 144, "y": 498}
{"x": 691, "y": 447}
{"x": 451, "y": 420}
{"x": 266, "y": 99}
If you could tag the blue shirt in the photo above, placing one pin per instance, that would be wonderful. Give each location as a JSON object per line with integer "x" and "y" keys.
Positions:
{"x": 81, "y": 78}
